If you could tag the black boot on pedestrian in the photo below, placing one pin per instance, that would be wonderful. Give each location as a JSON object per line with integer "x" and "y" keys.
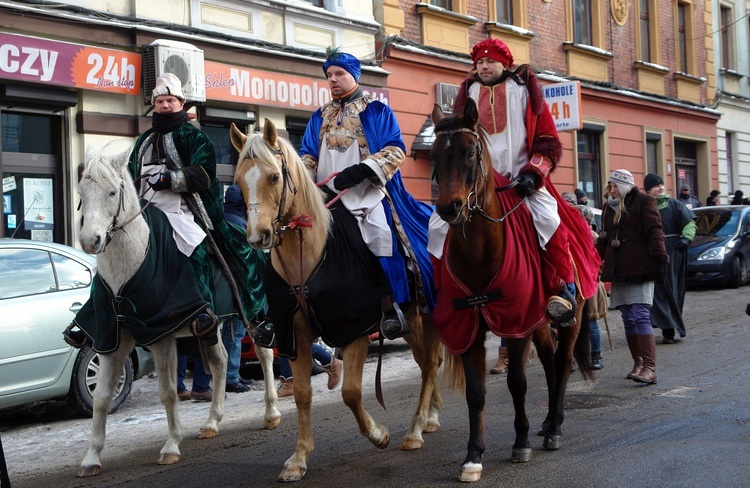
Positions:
{"x": 596, "y": 360}
{"x": 668, "y": 336}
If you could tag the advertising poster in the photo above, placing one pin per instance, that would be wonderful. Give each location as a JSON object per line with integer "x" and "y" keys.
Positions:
{"x": 38, "y": 203}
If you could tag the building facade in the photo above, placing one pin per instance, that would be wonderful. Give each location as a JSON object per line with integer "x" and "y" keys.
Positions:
{"x": 732, "y": 47}
{"x": 78, "y": 72}
{"x": 646, "y": 71}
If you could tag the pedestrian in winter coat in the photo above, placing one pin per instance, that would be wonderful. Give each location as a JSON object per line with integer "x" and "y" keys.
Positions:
{"x": 678, "y": 225}
{"x": 631, "y": 245}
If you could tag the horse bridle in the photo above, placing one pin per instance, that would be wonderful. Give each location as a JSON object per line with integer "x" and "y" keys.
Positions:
{"x": 114, "y": 226}
{"x": 473, "y": 204}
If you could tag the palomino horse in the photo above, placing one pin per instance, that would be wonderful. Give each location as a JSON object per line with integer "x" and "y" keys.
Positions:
{"x": 110, "y": 204}
{"x": 279, "y": 192}
{"x": 481, "y": 290}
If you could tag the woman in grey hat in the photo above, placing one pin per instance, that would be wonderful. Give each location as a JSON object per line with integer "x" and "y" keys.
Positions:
{"x": 631, "y": 245}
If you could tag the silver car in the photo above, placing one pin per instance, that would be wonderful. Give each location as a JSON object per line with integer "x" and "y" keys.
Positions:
{"x": 42, "y": 286}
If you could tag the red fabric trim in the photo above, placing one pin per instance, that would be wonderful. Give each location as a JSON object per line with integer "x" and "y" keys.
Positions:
{"x": 520, "y": 311}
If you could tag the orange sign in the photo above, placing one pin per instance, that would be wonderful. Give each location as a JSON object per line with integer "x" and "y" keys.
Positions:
{"x": 251, "y": 86}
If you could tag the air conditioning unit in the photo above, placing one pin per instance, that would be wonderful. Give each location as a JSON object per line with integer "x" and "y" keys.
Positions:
{"x": 180, "y": 58}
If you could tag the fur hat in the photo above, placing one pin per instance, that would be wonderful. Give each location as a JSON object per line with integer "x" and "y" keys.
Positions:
{"x": 334, "y": 57}
{"x": 494, "y": 49}
{"x": 623, "y": 179}
{"x": 569, "y": 197}
{"x": 167, "y": 84}
{"x": 651, "y": 180}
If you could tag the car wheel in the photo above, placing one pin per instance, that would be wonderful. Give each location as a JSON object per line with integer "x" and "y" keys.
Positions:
{"x": 86, "y": 376}
{"x": 318, "y": 368}
{"x": 739, "y": 273}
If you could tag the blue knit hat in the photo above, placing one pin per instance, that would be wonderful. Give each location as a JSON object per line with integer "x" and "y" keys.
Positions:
{"x": 334, "y": 57}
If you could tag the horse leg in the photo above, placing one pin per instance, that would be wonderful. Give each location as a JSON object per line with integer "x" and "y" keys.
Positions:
{"x": 272, "y": 416}
{"x": 474, "y": 364}
{"x": 426, "y": 350}
{"x": 517, "y": 353}
{"x": 110, "y": 366}
{"x": 546, "y": 348}
{"x": 351, "y": 391}
{"x": 296, "y": 466}
{"x": 217, "y": 361}
{"x": 165, "y": 359}
{"x": 568, "y": 337}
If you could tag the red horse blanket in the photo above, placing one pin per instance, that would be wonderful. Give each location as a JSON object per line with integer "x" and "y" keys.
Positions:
{"x": 512, "y": 305}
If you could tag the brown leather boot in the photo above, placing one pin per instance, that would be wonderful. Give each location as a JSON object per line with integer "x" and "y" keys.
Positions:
{"x": 501, "y": 366}
{"x": 647, "y": 374}
{"x": 635, "y": 351}
{"x": 286, "y": 387}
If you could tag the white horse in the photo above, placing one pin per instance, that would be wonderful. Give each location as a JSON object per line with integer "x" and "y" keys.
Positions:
{"x": 110, "y": 204}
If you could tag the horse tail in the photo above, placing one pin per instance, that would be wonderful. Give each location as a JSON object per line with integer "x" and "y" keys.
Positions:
{"x": 453, "y": 370}
{"x": 582, "y": 348}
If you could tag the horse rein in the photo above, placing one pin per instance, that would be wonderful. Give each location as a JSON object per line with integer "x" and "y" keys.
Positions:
{"x": 473, "y": 203}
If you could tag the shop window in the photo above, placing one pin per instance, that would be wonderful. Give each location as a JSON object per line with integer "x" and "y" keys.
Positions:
{"x": 295, "y": 127}
{"x": 729, "y": 157}
{"x": 30, "y": 133}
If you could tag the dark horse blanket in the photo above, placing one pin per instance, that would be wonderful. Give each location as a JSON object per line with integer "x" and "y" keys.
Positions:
{"x": 342, "y": 293}
{"x": 512, "y": 305}
{"x": 159, "y": 299}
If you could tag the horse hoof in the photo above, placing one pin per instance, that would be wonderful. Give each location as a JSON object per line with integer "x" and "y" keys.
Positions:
{"x": 470, "y": 473}
{"x": 292, "y": 473}
{"x": 520, "y": 455}
{"x": 87, "y": 471}
{"x": 168, "y": 458}
{"x": 431, "y": 427}
{"x": 411, "y": 443}
{"x": 552, "y": 442}
{"x": 384, "y": 441}
{"x": 270, "y": 424}
{"x": 208, "y": 433}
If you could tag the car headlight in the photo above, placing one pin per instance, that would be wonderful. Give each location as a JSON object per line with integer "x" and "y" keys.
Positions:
{"x": 713, "y": 254}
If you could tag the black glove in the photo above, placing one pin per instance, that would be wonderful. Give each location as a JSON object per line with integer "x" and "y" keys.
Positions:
{"x": 351, "y": 176}
{"x": 163, "y": 182}
{"x": 527, "y": 184}
{"x": 661, "y": 272}
{"x": 682, "y": 244}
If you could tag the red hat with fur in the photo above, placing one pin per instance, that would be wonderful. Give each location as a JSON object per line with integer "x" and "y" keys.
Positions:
{"x": 492, "y": 48}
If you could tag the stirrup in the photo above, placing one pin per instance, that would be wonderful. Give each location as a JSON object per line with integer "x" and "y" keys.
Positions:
{"x": 264, "y": 335}
{"x": 393, "y": 324}
{"x": 205, "y": 326}
{"x": 75, "y": 338}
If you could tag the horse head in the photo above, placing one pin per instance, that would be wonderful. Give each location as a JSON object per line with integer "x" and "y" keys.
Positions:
{"x": 274, "y": 183}
{"x": 456, "y": 156}
{"x": 108, "y": 197}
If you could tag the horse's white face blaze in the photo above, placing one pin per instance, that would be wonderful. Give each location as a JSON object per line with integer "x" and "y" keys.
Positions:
{"x": 262, "y": 187}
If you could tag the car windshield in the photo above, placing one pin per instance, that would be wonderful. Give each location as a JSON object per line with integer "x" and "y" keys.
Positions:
{"x": 721, "y": 223}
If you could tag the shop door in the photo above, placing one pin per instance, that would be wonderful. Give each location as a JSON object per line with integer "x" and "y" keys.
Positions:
{"x": 33, "y": 196}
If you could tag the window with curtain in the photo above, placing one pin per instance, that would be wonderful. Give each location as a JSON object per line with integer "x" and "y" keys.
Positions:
{"x": 504, "y": 11}
{"x": 582, "y": 22}
{"x": 682, "y": 47}
{"x": 726, "y": 36}
{"x": 645, "y": 37}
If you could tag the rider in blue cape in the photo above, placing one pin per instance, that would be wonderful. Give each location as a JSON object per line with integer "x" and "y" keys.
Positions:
{"x": 358, "y": 139}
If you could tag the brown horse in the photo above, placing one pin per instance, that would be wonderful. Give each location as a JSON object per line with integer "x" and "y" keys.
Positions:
{"x": 281, "y": 195}
{"x": 481, "y": 235}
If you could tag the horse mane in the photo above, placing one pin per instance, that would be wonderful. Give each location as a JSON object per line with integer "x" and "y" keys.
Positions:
{"x": 309, "y": 196}
{"x": 101, "y": 167}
